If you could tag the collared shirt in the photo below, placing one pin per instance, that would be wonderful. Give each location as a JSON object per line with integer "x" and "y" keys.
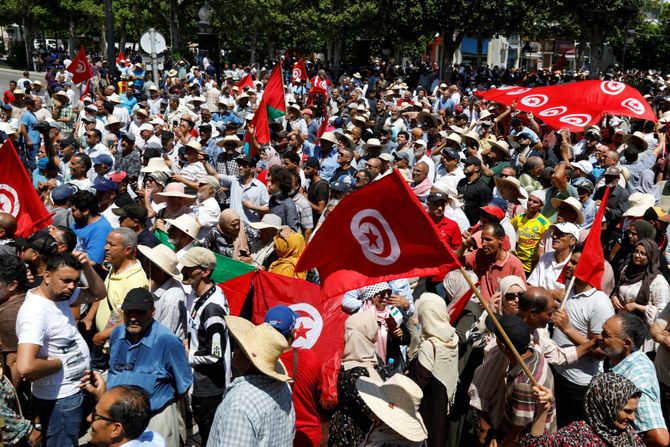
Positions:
{"x": 66, "y": 111}
{"x": 640, "y": 370}
{"x": 546, "y": 272}
{"x": 147, "y": 439}
{"x": 255, "y": 191}
{"x": 157, "y": 363}
{"x": 207, "y": 213}
{"x": 587, "y": 311}
{"x": 256, "y": 410}
{"x": 118, "y": 284}
{"x": 170, "y": 303}
{"x": 227, "y": 166}
{"x": 475, "y": 195}
{"x": 328, "y": 163}
{"x": 490, "y": 273}
{"x": 304, "y": 212}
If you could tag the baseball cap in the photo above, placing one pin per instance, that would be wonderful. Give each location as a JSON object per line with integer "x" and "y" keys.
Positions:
{"x": 103, "y": 159}
{"x": 41, "y": 241}
{"x": 567, "y": 228}
{"x": 198, "y": 257}
{"x": 454, "y": 155}
{"x": 583, "y": 166}
{"x": 69, "y": 141}
{"x": 246, "y": 159}
{"x": 436, "y": 196}
{"x": 138, "y": 298}
{"x": 656, "y": 213}
{"x": 340, "y": 186}
{"x": 613, "y": 171}
{"x": 494, "y": 211}
{"x": 473, "y": 161}
{"x": 62, "y": 192}
{"x": 399, "y": 155}
{"x": 515, "y": 327}
{"x": 210, "y": 180}
{"x": 117, "y": 176}
{"x": 129, "y": 136}
{"x": 583, "y": 183}
{"x": 105, "y": 184}
{"x": 281, "y": 318}
{"x": 133, "y": 210}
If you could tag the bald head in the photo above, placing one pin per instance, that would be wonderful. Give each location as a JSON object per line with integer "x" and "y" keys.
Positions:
{"x": 7, "y": 226}
{"x": 536, "y": 306}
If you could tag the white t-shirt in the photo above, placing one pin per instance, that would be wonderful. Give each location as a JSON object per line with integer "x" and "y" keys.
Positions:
{"x": 51, "y": 325}
{"x": 546, "y": 272}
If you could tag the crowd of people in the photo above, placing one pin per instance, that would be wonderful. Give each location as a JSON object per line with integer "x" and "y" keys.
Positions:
{"x": 110, "y": 320}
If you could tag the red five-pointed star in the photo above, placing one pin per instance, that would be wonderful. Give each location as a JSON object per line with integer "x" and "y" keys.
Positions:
{"x": 301, "y": 331}
{"x": 372, "y": 238}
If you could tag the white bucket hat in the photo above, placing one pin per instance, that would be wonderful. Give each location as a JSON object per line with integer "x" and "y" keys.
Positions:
{"x": 639, "y": 203}
{"x": 268, "y": 221}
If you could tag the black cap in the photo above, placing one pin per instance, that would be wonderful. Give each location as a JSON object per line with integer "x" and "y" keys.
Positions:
{"x": 41, "y": 241}
{"x": 312, "y": 162}
{"x": 133, "y": 210}
{"x": 69, "y": 141}
{"x": 436, "y": 196}
{"x": 151, "y": 152}
{"x": 473, "y": 161}
{"x": 165, "y": 136}
{"x": 138, "y": 298}
{"x": 281, "y": 135}
{"x": 247, "y": 159}
{"x": 516, "y": 329}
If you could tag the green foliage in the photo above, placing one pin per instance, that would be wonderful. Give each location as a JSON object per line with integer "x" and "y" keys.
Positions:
{"x": 649, "y": 47}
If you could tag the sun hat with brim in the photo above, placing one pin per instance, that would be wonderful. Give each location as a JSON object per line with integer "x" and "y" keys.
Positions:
{"x": 61, "y": 93}
{"x": 156, "y": 164}
{"x": 9, "y": 130}
{"x": 360, "y": 121}
{"x": 195, "y": 146}
{"x": 572, "y": 203}
{"x": 297, "y": 108}
{"x": 455, "y": 139}
{"x": 456, "y": 129}
{"x": 268, "y": 221}
{"x": 113, "y": 121}
{"x": 450, "y": 192}
{"x": 639, "y": 203}
{"x": 345, "y": 139}
{"x": 421, "y": 117}
{"x": 328, "y": 136}
{"x": 373, "y": 142}
{"x": 174, "y": 190}
{"x": 262, "y": 345}
{"x": 396, "y": 402}
{"x": 230, "y": 139}
{"x": 197, "y": 100}
{"x": 114, "y": 98}
{"x": 501, "y": 145}
{"x": 636, "y": 139}
{"x": 470, "y": 136}
{"x": 512, "y": 182}
{"x": 186, "y": 223}
{"x": 484, "y": 114}
{"x": 164, "y": 258}
{"x": 209, "y": 180}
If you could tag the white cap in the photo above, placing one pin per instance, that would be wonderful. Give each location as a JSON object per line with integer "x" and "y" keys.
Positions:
{"x": 567, "y": 228}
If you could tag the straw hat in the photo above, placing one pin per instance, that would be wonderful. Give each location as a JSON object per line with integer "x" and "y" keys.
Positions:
{"x": 345, "y": 139}
{"x": 172, "y": 73}
{"x": 484, "y": 114}
{"x": 268, "y": 221}
{"x": 60, "y": 93}
{"x": 230, "y": 139}
{"x": 512, "y": 182}
{"x": 114, "y": 98}
{"x": 573, "y": 203}
{"x": 197, "y": 100}
{"x": 458, "y": 130}
{"x": 174, "y": 190}
{"x": 156, "y": 164}
{"x": 111, "y": 121}
{"x": 261, "y": 344}
{"x": 373, "y": 142}
{"x": 639, "y": 203}
{"x": 9, "y": 130}
{"x": 164, "y": 258}
{"x": 423, "y": 114}
{"x": 328, "y": 136}
{"x": 455, "y": 139}
{"x": 641, "y": 143}
{"x": 471, "y": 136}
{"x": 360, "y": 121}
{"x": 502, "y": 145}
{"x": 396, "y": 402}
{"x": 186, "y": 223}
{"x": 297, "y": 108}
{"x": 195, "y": 146}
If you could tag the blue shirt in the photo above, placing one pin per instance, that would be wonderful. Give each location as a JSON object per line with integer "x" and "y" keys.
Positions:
{"x": 128, "y": 103}
{"x": 93, "y": 238}
{"x": 139, "y": 83}
{"x": 157, "y": 363}
{"x": 328, "y": 164}
{"x": 28, "y": 119}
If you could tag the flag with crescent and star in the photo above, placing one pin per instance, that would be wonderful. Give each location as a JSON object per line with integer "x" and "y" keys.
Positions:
{"x": 80, "y": 68}
{"x": 378, "y": 233}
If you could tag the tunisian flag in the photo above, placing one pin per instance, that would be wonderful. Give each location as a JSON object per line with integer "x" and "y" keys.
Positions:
{"x": 17, "y": 195}
{"x": 272, "y": 106}
{"x": 121, "y": 60}
{"x": 319, "y": 328}
{"x": 575, "y": 105}
{"x": 79, "y": 68}
{"x": 378, "y": 233}
{"x": 299, "y": 71}
{"x": 246, "y": 81}
{"x": 591, "y": 265}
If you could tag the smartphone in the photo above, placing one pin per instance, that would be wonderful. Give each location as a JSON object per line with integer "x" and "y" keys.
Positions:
{"x": 391, "y": 325}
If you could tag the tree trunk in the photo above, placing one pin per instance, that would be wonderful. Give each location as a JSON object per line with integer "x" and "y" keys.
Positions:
{"x": 27, "y": 43}
{"x": 337, "y": 56}
{"x": 271, "y": 44}
{"x": 70, "y": 37}
{"x": 450, "y": 41}
{"x": 329, "y": 50}
{"x": 595, "y": 33}
{"x": 123, "y": 38}
{"x": 103, "y": 41}
{"x": 174, "y": 27}
{"x": 252, "y": 48}
{"x": 480, "y": 51}
{"x": 398, "y": 47}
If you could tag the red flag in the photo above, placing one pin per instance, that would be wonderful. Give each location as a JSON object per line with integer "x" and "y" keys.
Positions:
{"x": 121, "y": 60}
{"x": 369, "y": 238}
{"x": 86, "y": 90}
{"x": 323, "y": 127}
{"x": 591, "y": 265}
{"x": 236, "y": 291}
{"x": 79, "y": 68}
{"x": 560, "y": 63}
{"x": 577, "y": 104}
{"x": 272, "y": 106}
{"x": 17, "y": 195}
{"x": 321, "y": 84}
{"x": 246, "y": 81}
{"x": 299, "y": 71}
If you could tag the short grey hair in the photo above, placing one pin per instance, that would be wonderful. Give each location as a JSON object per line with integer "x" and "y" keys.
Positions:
{"x": 128, "y": 237}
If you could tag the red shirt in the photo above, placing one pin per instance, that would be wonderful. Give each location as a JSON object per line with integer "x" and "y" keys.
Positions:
{"x": 490, "y": 273}
{"x": 8, "y": 97}
{"x": 305, "y": 396}
{"x": 451, "y": 236}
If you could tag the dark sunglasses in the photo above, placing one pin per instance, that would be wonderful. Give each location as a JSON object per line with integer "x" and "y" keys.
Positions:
{"x": 513, "y": 296}
{"x": 96, "y": 416}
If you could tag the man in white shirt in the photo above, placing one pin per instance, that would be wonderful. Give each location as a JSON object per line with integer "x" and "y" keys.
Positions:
{"x": 564, "y": 237}
{"x": 206, "y": 210}
{"x": 51, "y": 352}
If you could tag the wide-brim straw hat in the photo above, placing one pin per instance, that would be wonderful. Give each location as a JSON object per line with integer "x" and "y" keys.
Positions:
{"x": 514, "y": 183}
{"x": 174, "y": 190}
{"x": 164, "y": 258}
{"x": 262, "y": 344}
{"x": 187, "y": 224}
{"x": 111, "y": 121}
{"x": 230, "y": 139}
{"x": 346, "y": 139}
{"x": 297, "y": 108}
{"x": 639, "y": 203}
{"x": 636, "y": 139}
{"x": 156, "y": 164}
{"x": 114, "y": 98}
{"x": 573, "y": 203}
{"x": 426, "y": 114}
{"x": 502, "y": 145}
{"x": 195, "y": 146}
{"x": 360, "y": 121}
{"x": 328, "y": 136}
{"x": 197, "y": 100}
{"x": 373, "y": 142}
{"x": 396, "y": 402}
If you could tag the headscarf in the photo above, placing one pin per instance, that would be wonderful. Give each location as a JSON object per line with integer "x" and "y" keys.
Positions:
{"x": 438, "y": 336}
{"x": 648, "y": 185}
{"x": 607, "y": 395}
{"x": 273, "y": 157}
{"x": 367, "y": 294}
{"x": 644, "y": 229}
{"x": 360, "y": 334}
{"x": 645, "y": 274}
{"x": 288, "y": 252}
{"x": 240, "y": 242}
{"x": 422, "y": 189}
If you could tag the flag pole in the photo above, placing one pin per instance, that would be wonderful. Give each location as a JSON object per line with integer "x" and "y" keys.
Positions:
{"x": 567, "y": 292}
{"x": 500, "y": 329}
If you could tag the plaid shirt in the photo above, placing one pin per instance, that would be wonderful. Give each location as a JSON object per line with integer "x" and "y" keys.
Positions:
{"x": 256, "y": 410}
{"x": 226, "y": 166}
{"x": 640, "y": 370}
{"x": 66, "y": 111}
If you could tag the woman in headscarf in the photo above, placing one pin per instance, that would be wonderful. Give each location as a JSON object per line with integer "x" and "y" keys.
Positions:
{"x": 391, "y": 332}
{"x": 288, "y": 251}
{"x": 642, "y": 289}
{"x": 610, "y": 405}
{"x": 621, "y": 253}
{"x": 435, "y": 367}
{"x": 231, "y": 237}
{"x": 353, "y": 418}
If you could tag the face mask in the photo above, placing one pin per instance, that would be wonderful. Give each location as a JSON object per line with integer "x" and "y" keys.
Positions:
{"x": 277, "y": 194}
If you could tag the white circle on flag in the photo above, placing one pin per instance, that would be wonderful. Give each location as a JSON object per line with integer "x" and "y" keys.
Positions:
{"x": 506, "y": 87}
{"x": 81, "y": 67}
{"x": 534, "y": 100}
{"x": 576, "y": 119}
{"x": 308, "y": 326}
{"x": 517, "y": 91}
{"x": 296, "y": 73}
{"x": 553, "y": 111}
{"x": 374, "y": 234}
{"x": 633, "y": 105}
{"x": 612, "y": 87}
{"x": 9, "y": 200}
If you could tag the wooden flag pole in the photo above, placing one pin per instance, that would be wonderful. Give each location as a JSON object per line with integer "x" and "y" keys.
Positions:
{"x": 500, "y": 329}
{"x": 567, "y": 292}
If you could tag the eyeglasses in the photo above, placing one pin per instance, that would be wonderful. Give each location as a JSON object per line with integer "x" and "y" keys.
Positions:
{"x": 513, "y": 296}
{"x": 642, "y": 254}
{"x": 95, "y": 416}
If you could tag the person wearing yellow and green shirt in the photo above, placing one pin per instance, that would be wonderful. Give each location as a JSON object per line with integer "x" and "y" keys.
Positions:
{"x": 530, "y": 227}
